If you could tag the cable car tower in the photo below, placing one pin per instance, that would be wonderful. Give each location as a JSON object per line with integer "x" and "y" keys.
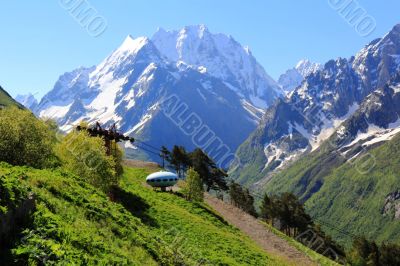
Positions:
{"x": 111, "y": 136}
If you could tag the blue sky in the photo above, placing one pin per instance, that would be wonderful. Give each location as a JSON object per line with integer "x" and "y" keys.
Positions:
{"x": 39, "y": 42}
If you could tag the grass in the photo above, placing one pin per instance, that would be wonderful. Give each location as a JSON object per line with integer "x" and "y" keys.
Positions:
{"x": 195, "y": 231}
{"x": 74, "y": 223}
{"x": 77, "y": 224}
{"x": 6, "y": 99}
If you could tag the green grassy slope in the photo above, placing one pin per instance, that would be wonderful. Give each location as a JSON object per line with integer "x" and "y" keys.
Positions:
{"x": 6, "y": 99}
{"x": 13, "y": 193}
{"x": 199, "y": 229}
{"x": 195, "y": 230}
{"x": 75, "y": 223}
{"x": 338, "y": 194}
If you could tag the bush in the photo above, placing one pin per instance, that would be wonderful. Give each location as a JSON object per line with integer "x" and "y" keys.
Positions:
{"x": 192, "y": 187}
{"x": 86, "y": 157}
{"x": 25, "y": 140}
{"x": 118, "y": 158}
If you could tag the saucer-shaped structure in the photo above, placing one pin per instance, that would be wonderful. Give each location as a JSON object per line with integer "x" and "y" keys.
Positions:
{"x": 162, "y": 179}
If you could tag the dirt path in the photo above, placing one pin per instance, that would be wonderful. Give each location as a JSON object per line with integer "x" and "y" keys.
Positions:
{"x": 258, "y": 232}
{"x": 150, "y": 166}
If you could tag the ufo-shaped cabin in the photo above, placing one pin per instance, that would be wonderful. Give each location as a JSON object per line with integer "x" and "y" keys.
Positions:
{"x": 162, "y": 179}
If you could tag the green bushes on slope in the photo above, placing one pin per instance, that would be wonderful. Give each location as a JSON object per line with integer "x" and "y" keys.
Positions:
{"x": 192, "y": 187}
{"x": 12, "y": 193}
{"x": 25, "y": 140}
{"x": 86, "y": 157}
{"x": 74, "y": 223}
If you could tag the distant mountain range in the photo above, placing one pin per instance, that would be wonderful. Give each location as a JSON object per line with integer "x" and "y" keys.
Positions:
{"x": 351, "y": 181}
{"x": 316, "y": 109}
{"x": 218, "y": 82}
{"x": 334, "y": 142}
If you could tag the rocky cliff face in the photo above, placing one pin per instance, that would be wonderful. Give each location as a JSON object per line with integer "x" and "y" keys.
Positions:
{"x": 391, "y": 207}
{"x": 315, "y": 110}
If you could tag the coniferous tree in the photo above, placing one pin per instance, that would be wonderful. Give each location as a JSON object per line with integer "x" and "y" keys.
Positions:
{"x": 242, "y": 198}
{"x": 267, "y": 209}
{"x": 219, "y": 176}
{"x": 360, "y": 253}
{"x": 248, "y": 204}
{"x": 288, "y": 210}
{"x": 365, "y": 252}
{"x": 212, "y": 176}
{"x": 180, "y": 160}
{"x": 235, "y": 194}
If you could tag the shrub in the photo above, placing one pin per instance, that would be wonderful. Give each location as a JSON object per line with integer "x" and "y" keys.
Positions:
{"x": 118, "y": 157}
{"x": 25, "y": 140}
{"x": 192, "y": 187}
{"x": 86, "y": 157}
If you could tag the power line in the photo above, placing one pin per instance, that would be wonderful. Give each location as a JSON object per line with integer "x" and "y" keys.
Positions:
{"x": 147, "y": 150}
{"x": 159, "y": 151}
{"x": 148, "y": 145}
{"x": 342, "y": 231}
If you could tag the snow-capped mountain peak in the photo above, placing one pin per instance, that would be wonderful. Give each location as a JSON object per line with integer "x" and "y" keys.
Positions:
{"x": 293, "y": 77}
{"x": 305, "y": 67}
{"x": 119, "y": 64}
{"x": 132, "y": 45}
{"x": 213, "y": 75}
{"x": 379, "y": 58}
{"x": 247, "y": 50}
{"x": 302, "y": 62}
{"x": 68, "y": 86}
{"x": 223, "y": 57}
{"x": 195, "y": 30}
